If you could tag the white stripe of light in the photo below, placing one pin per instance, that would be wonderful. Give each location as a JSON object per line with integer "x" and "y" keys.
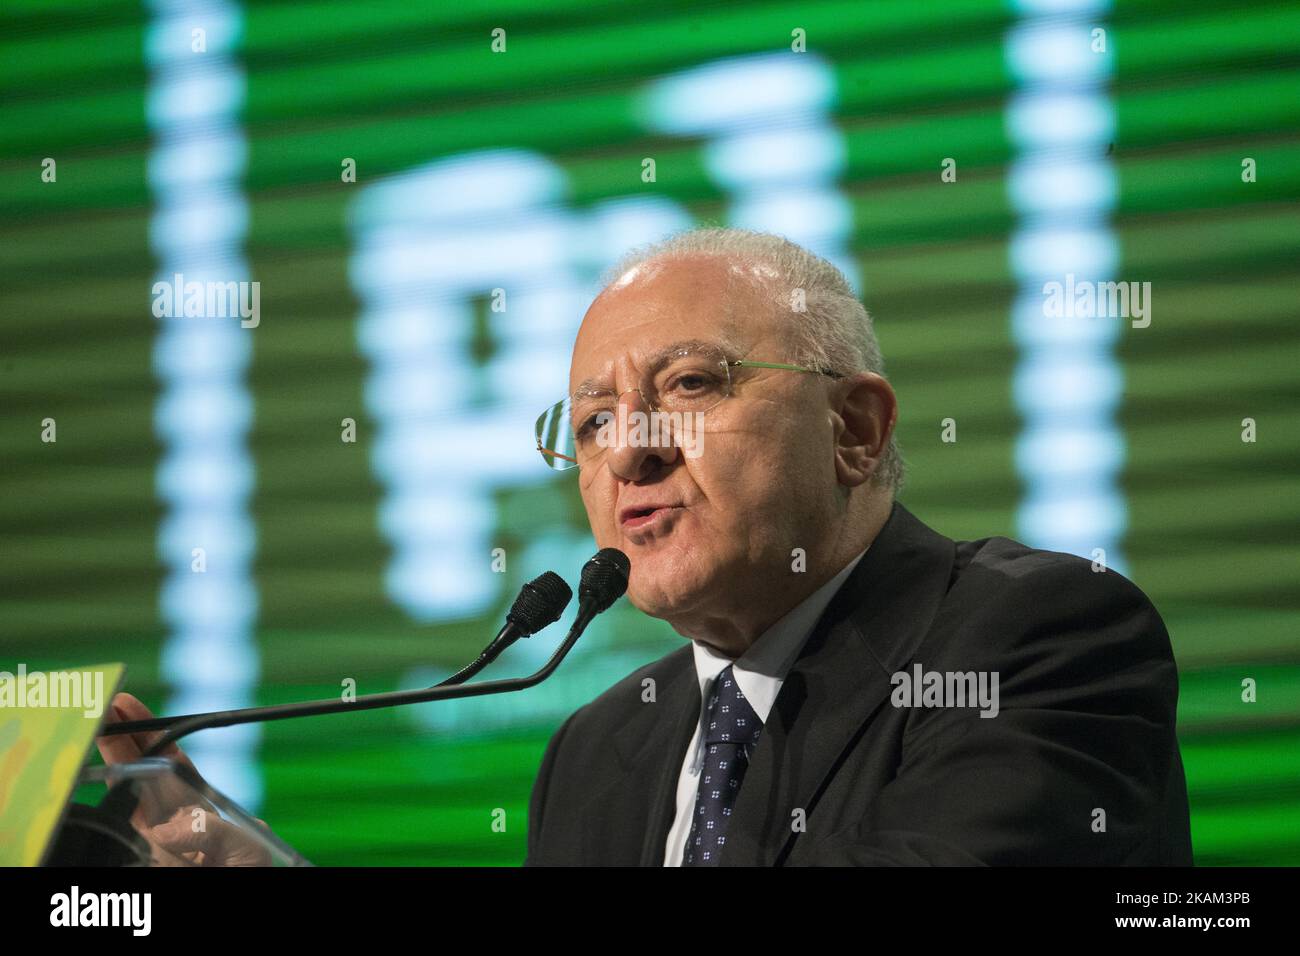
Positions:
{"x": 1067, "y": 384}
{"x": 204, "y": 411}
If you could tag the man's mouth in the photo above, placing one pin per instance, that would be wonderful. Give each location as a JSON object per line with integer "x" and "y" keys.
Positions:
{"x": 630, "y": 519}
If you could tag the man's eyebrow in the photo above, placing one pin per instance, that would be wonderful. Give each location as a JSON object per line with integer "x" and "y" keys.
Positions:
{"x": 659, "y": 357}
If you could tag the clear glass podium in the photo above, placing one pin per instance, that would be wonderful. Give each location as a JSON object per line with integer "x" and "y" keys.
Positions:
{"x": 154, "y": 812}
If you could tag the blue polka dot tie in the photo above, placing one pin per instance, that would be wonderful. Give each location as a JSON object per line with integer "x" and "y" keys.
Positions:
{"x": 731, "y": 729}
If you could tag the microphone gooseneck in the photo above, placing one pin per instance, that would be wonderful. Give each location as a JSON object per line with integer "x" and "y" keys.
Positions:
{"x": 604, "y": 580}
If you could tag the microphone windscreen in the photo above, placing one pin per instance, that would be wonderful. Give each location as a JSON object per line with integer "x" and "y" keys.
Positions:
{"x": 604, "y": 579}
{"x": 540, "y": 603}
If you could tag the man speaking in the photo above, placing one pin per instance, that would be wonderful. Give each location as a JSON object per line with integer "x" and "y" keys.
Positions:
{"x": 856, "y": 687}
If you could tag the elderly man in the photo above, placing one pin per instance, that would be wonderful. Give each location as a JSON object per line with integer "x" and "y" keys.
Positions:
{"x": 856, "y": 688}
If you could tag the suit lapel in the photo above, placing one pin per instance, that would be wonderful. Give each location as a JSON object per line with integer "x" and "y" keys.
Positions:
{"x": 869, "y": 631}
{"x": 650, "y": 747}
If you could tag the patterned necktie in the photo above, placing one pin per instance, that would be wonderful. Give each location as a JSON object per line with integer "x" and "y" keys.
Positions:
{"x": 731, "y": 729}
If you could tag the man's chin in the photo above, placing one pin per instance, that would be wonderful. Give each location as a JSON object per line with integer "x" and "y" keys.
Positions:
{"x": 667, "y": 597}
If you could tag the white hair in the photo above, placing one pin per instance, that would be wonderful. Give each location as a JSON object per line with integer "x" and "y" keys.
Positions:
{"x": 833, "y": 331}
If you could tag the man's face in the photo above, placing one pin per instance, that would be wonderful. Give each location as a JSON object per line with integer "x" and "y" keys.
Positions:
{"x": 716, "y": 527}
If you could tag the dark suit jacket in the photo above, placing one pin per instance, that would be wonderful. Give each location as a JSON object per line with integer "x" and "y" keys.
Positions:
{"x": 1088, "y": 693}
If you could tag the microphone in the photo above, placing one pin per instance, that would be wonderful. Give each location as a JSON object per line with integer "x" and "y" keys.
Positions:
{"x": 540, "y": 603}
{"x": 604, "y": 580}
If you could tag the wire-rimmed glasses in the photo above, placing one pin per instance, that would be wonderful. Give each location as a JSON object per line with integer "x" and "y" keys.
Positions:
{"x": 689, "y": 380}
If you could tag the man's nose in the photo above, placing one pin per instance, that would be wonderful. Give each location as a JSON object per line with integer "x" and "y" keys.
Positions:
{"x": 641, "y": 445}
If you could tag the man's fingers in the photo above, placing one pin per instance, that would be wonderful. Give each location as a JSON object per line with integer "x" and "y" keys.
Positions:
{"x": 180, "y": 835}
{"x": 207, "y": 840}
{"x": 158, "y": 798}
{"x": 122, "y": 748}
{"x": 126, "y": 707}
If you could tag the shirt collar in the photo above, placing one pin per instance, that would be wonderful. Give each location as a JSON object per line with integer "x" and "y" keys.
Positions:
{"x": 761, "y": 670}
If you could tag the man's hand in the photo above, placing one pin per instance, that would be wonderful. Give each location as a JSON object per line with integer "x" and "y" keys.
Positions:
{"x": 165, "y": 815}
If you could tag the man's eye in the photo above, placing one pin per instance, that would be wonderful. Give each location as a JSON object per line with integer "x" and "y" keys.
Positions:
{"x": 591, "y": 423}
{"x": 692, "y": 383}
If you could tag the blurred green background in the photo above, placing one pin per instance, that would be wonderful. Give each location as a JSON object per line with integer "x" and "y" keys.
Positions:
{"x": 523, "y": 170}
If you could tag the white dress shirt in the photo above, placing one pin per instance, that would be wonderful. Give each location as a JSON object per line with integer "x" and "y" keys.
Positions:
{"x": 760, "y": 672}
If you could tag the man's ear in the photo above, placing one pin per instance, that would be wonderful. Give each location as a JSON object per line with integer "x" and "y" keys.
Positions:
{"x": 867, "y": 412}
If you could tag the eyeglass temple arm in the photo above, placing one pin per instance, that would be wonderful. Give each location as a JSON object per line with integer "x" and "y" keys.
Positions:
{"x": 553, "y": 454}
{"x": 782, "y": 365}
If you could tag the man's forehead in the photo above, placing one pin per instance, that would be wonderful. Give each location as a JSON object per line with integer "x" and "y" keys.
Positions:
{"x": 650, "y": 345}
{"x": 693, "y": 289}
{"x": 655, "y": 306}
